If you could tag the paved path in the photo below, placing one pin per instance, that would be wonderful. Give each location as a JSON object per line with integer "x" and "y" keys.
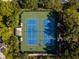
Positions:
{"x": 2, "y": 56}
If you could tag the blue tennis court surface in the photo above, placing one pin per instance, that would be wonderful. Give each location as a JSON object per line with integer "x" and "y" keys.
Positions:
{"x": 31, "y": 31}
{"x": 47, "y": 31}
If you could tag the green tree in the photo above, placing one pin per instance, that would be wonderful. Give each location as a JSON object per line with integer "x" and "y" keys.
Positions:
{"x": 28, "y": 4}
{"x": 5, "y": 33}
{"x": 9, "y": 18}
{"x": 12, "y": 47}
{"x": 53, "y": 4}
{"x": 71, "y": 21}
{"x": 9, "y": 12}
{"x": 71, "y": 4}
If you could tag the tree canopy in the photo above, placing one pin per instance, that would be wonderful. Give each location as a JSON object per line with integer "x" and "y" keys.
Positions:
{"x": 53, "y": 4}
{"x": 9, "y": 12}
{"x": 28, "y": 4}
{"x": 9, "y": 19}
{"x": 71, "y": 21}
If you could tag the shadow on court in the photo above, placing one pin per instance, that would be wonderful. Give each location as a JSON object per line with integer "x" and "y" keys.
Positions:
{"x": 55, "y": 47}
{"x": 51, "y": 31}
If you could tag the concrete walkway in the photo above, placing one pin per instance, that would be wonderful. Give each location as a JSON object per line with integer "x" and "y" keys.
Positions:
{"x": 2, "y": 56}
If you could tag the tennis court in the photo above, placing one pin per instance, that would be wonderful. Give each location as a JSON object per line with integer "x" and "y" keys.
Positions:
{"x": 37, "y": 31}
